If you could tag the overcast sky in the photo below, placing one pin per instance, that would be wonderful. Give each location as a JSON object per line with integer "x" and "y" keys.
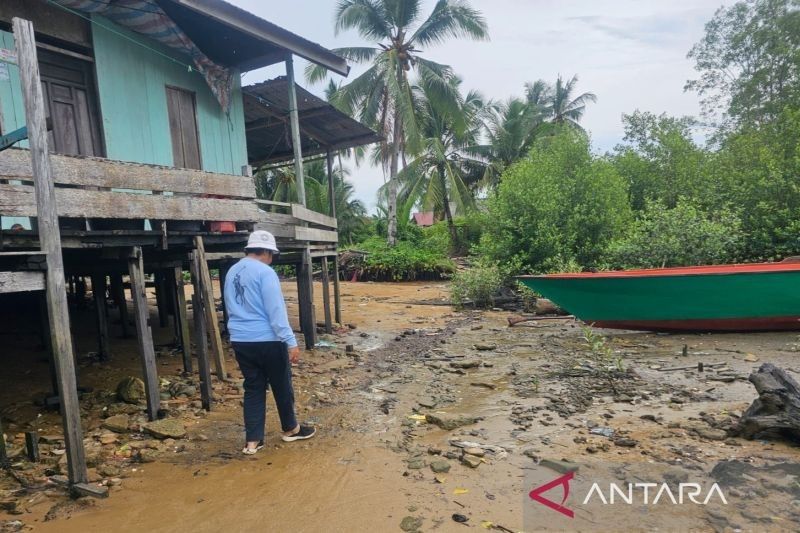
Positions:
{"x": 630, "y": 53}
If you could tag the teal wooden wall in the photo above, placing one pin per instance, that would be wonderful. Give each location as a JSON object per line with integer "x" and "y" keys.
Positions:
{"x": 132, "y": 84}
{"x": 12, "y": 109}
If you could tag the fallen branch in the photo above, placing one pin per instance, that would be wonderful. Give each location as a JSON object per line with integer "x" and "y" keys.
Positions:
{"x": 691, "y": 367}
{"x": 514, "y": 320}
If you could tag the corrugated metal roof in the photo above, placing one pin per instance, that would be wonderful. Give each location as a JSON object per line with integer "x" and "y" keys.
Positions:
{"x": 322, "y": 126}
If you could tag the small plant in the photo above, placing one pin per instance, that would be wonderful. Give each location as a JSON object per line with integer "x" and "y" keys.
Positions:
{"x": 478, "y": 285}
{"x": 610, "y": 364}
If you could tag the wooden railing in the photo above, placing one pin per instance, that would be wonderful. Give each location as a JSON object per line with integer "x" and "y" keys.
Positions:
{"x": 92, "y": 187}
{"x": 293, "y": 221}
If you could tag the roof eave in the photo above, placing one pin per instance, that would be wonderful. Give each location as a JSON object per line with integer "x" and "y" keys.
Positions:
{"x": 261, "y": 29}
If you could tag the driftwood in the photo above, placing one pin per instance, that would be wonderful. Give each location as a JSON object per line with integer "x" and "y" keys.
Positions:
{"x": 777, "y": 408}
{"x": 513, "y": 320}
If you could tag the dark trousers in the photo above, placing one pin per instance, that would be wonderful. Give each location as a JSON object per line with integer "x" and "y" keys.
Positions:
{"x": 265, "y": 364}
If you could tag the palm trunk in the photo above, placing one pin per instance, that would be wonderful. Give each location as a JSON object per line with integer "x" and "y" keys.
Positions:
{"x": 448, "y": 215}
{"x": 394, "y": 161}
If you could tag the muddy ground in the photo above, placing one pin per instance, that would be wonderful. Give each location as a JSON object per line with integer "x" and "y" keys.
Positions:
{"x": 528, "y": 403}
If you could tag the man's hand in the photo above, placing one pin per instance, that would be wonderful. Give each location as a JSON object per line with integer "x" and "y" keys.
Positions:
{"x": 294, "y": 355}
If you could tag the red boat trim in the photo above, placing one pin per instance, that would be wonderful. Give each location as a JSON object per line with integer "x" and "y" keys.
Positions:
{"x": 782, "y": 323}
{"x": 751, "y": 268}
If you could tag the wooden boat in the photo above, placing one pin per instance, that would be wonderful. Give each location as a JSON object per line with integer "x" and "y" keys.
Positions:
{"x": 747, "y": 297}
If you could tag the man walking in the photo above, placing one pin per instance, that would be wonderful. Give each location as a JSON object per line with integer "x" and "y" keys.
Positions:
{"x": 263, "y": 341}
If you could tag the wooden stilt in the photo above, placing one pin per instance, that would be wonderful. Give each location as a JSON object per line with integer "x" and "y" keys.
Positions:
{"x": 99, "y": 294}
{"x": 181, "y": 319}
{"x": 200, "y": 337}
{"x": 47, "y": 341}
{"x": 162, "y": 300}
{"x": 50, "y": 238}
{"x": 118, "y": 293}
{"x": 326, "y": 296}
{"x": 144, "y": 333}
{"x": 308, "y": 321}
{"x": 223, "y": 274}
{"x": 337, "y": 298}
{"x": 80, "y": 293}
{"x": 217, "y": 349}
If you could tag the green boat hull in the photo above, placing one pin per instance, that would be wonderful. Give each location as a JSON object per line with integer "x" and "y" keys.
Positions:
{"x": 716, "y": 301}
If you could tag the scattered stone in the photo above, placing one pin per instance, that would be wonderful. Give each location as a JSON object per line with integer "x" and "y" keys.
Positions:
{"x": 460, "y": 518}
{"x": 411, "y": 524}
{"x": 108, "y": 438}
{"x": 11, "y": 526}
{"x": 471, "y": 461}
{"x": 130, "y": 390}
{"x": 751, "y": 358}
{"x": 428, "y": 402}
{"x": 416, "y": 464}
{"x": 711, "y": 433}
{"x": 477, "y": 452}
{"x": 451, "y": 423}
{"x": 168, "y": 428}
{"x": 116, "y": 423}
{"x": 440, "y": 466}
{"x": 467, "y": 363}
{"x": 490, "y": 386}
{"x": 433, "y": 450}
{"x": 625, "y": 442}
{"x": 602, "y": 430}
{"x": 485, "y": 347}
{"x": 579, "y": 440}
{"x": 108, "y": 470}
{"x": 562, "y": 467}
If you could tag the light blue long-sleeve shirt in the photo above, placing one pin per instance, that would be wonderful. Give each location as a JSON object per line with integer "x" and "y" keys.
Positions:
{"x": 255, "y": 305}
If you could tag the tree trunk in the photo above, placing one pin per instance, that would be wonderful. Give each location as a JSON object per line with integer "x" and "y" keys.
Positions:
{"x": 448, "y": 215}
{"x": 394, "y": 161}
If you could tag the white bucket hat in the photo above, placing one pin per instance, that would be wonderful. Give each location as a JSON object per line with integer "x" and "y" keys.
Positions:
{"x": 262, "y": 239}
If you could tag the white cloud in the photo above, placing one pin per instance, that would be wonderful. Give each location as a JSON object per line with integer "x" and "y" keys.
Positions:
{"x": 630, "y": 53}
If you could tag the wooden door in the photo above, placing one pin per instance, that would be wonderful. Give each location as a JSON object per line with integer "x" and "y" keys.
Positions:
{"x": 181, "y": 109}
{"x": 70, "y": 101}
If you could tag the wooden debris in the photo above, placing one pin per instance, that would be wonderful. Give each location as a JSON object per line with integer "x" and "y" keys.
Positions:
{"x": 777, "y": 408}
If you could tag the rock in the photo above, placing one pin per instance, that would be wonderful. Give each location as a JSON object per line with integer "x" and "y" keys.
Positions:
{"x": 485, "y": 347}
{"x": 108, "y": 470}
{"x": 116, "y": 423}
{"x": 433, "y": 450}
{"x": 168, "y": 428}
{"x": 131, "y": 390}
{"x": 451, "y": 423}
{"x": 108, "y": 438}
{"x": 750, "y": 358}
{"x": 440, "y": 466}
{"x": 477, "y": 452}
{"x": 562, "y": 467}
{"x": 625, "y": 442}
{"x": 416, "y": 464}
{"x": 471, "y": 461}
{"x": 409, "y": 524}
{"x": 711, "y": 433}
{"x": 146, "y": 455}
{"x": 466, "y": 363}
{"x": 10, "y": 526}
{"x": 428, "y": 402}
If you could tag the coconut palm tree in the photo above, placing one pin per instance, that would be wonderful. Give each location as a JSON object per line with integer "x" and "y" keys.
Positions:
{"x": 510, "y": 128}
{"x": 444, "y": 172}
{"x": 565, "y": 107}
{"x": 382, "y": 97}
{"x": 279, "y": 185}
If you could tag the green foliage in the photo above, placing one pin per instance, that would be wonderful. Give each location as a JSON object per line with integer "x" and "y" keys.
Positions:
{"x": 602, "y": 353}
{"x": 683, "y": 235}
{"x": 556, "y": 206}
{"x": 406, "y": 261}
{"x": 748, "y": 61}
{"x": 478, "y": 285}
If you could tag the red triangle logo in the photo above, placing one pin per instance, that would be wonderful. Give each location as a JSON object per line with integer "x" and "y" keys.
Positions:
{"x": 563, "y": 481}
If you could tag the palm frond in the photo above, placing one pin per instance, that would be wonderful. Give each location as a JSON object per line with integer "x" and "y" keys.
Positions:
{"x": 368, "y": 17}
{"x": 401, "y": 13}
{"x": 451, "y": 18}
